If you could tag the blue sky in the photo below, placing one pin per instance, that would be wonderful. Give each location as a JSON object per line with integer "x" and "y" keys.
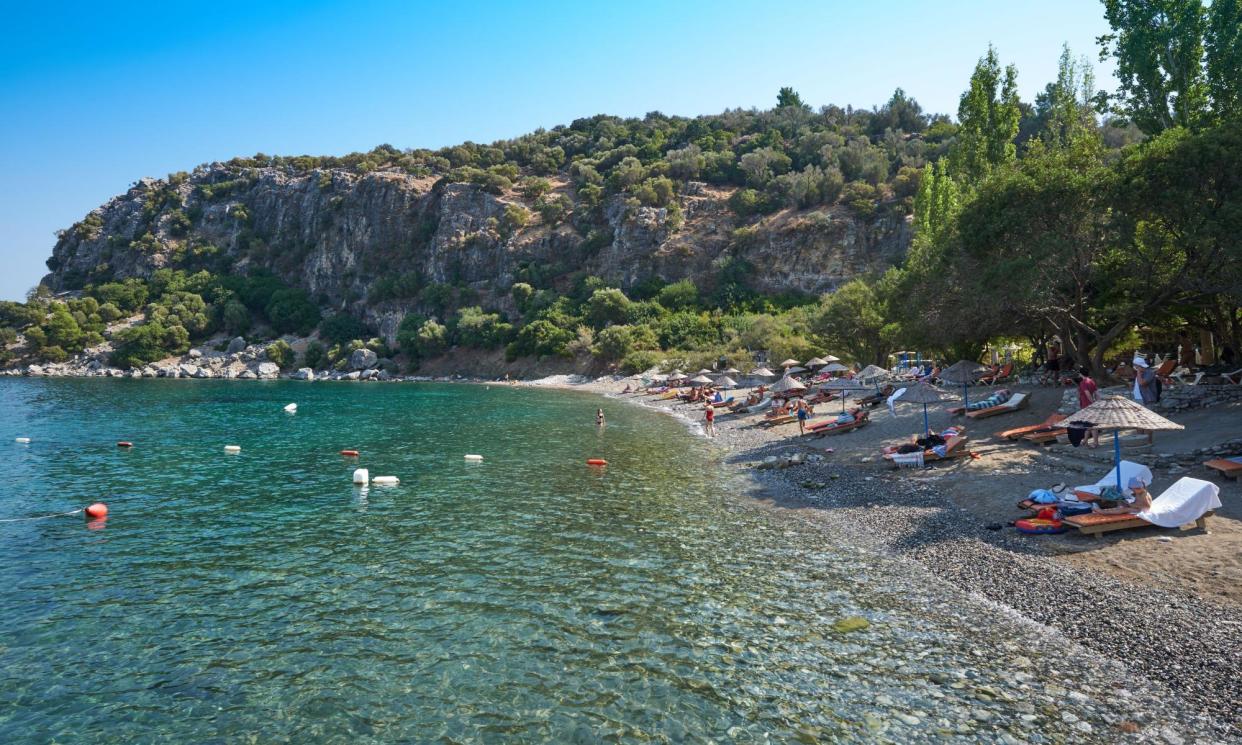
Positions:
{"x": 94, "y": 96}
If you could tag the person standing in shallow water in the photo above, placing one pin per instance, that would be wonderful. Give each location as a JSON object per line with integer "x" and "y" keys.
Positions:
{"x": 709, "y": 413}
{"x": 599, "y": 417}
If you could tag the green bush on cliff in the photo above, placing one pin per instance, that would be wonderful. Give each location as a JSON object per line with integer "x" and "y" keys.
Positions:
{"x": 281, "y": 353}
{"x": 149, "y": 342}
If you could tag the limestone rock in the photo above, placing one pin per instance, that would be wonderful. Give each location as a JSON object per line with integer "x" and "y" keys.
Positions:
{"x": 268, "y": 370}
{"x": 236, "y": 345}
{"x": 362, "y": 359}
{"x": 303, "y": 373}
{"x": 195, "y": 354}
{"x": 187, "y": 370}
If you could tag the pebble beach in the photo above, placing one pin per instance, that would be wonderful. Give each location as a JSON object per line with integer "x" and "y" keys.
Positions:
{"x": 1178, "y": 646}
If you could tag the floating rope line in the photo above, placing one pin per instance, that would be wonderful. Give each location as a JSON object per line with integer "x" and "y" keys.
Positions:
{"x": 41, "y": 517}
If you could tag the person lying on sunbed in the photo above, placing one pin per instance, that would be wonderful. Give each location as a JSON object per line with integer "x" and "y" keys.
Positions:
{"x": 1138, "y": 500}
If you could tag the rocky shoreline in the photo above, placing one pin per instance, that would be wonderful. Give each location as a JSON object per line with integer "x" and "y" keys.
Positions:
{"x": 1184, "y": 645}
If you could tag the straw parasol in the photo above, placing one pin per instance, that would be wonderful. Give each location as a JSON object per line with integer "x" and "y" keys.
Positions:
{"x": 658, "y": 378}
{"x": 731, "y": 371}
{"x": 795, "y": 370}
{"x": 676, "y": 372}
{"x": 704, "y": 371}
{"x": 1118, "y": 413}
{"x": 726, "y": 382}
{"x": 816, "y": 362}
{"x": 834, "y": 367}
{"x": 874, "y": 373}
{"x": 830, "y": 358}
{"x": 763, "y": 372}
{"x": 787, "y": 384}
{"x": 701, "y": 380}
{"x": 964, "y": 372}
{"x": 789, "y": 363}
{"x": 845, "y": 385}
{"x": 922, "y": 393}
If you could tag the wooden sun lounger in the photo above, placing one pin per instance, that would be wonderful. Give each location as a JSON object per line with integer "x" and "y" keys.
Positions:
{"x": 779, "y": 420}
{"x": 1004, "y": 374}
{"x": 1004, "y": 408}
{"x": 1016, "y": 432}
{"x": 836, "y": 429}
{"x": 1044, "y": 438}
{"x": 1228, "y": 468}
{"x": 1095, "y": 524}
{"x": 952, "y": 448}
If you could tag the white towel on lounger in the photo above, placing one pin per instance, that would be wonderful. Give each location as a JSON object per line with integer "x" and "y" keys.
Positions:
{"x": 909, "y": 459}
{"x": 1184, "y": 502}
{"x": 1129, "y": 470}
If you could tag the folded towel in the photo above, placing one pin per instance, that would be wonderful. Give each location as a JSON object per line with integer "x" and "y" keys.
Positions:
{"x": 909, "y": 459}
{"x": 1184, "y": 502}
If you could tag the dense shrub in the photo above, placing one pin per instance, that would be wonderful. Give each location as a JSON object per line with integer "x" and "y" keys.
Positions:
{"x": 291, "y": 311}
{"x": 281, "y": 353}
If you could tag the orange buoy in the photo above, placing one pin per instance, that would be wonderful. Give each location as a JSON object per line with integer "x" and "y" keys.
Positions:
{"x": 124, "y": 444}
{"x": 350, "y": 453}
{"x": 596, "y": 462}
{"x": 97, "y": 510}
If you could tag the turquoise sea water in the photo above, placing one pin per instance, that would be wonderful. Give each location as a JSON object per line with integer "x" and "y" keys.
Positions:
{"x": 262, "y": 597}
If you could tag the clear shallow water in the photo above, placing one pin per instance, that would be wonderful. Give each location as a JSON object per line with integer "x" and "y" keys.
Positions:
{"x": 526, "y": 598}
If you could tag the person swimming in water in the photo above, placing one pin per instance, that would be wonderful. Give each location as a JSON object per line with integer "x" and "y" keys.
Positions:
{"x": 599, "y": 417}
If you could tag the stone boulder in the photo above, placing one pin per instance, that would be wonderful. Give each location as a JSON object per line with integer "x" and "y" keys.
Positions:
{"x": 362, "y": 359}
{"x": 203, "y": 372}
{"x": 236, "y": 345}
{"x": 195, "y": 354}
{"x": 187, "y": 370}
{"x": 303, "y": 373}
{"x": 268, "y": 370}
{"x": 246, "y": 375}
{"x": 34, "y": 370}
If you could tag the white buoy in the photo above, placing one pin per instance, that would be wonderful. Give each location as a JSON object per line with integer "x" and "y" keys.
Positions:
{"x": 291, "y": 408}
{"x": 232, "y": 448}
{"x": 362, "y": 476}
{"x": 385, "y": 481}
{"x": 474, "y": 458}
{"x": 22, "y": 440}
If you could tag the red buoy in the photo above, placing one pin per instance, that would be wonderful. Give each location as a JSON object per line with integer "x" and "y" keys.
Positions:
{"x": 97, "y": 510}
{"x": 124, "y": 444}
{"x": 350, "y": 453}
{"x": 596, "y": 462}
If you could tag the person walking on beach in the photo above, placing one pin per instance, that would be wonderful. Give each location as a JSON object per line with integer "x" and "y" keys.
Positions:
{"x": 1088, "y": 393}
{"x": 599, "y": 417}
{"x": 709, "y": 413}
{"x": 803, "y": 414}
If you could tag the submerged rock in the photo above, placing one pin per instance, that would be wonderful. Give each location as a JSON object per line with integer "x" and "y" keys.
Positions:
{"x": 850, "y": 623}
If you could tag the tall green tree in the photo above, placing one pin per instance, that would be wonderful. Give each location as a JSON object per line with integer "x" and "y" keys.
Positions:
{"x": 1223, "y": 44}
{"x": 1158, "y": 46}
{"x": 788, "y": 98}
{"x": 989, "y": 116}
{"x": 1065, "y": 109}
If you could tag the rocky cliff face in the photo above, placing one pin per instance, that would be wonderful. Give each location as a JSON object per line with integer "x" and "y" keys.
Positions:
{"x": 342, "y": 236}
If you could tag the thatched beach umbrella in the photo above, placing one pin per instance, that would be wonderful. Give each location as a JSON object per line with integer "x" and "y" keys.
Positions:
{"x": 1118, "y": 413}
{"x": 701, "y": 380}
{"x": 789, "y": 363}
{"x": 731, "y": 371}
{"x": 763, "y": 372}
{"x": 795, "y": 370}
{"x": 964, "y": 372}
{"x": 830, "y": 359}
{"x": 726, "y": 382}
{"x": 873, "y": 373}
{"x": 704, "y": 371}
{"x": 816, "y": 362}
{"x": 845, "y": 385}
{"x": 922, "y": 393}
{"x": 787, "y": 385}
{"x": 832, "y": 367}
